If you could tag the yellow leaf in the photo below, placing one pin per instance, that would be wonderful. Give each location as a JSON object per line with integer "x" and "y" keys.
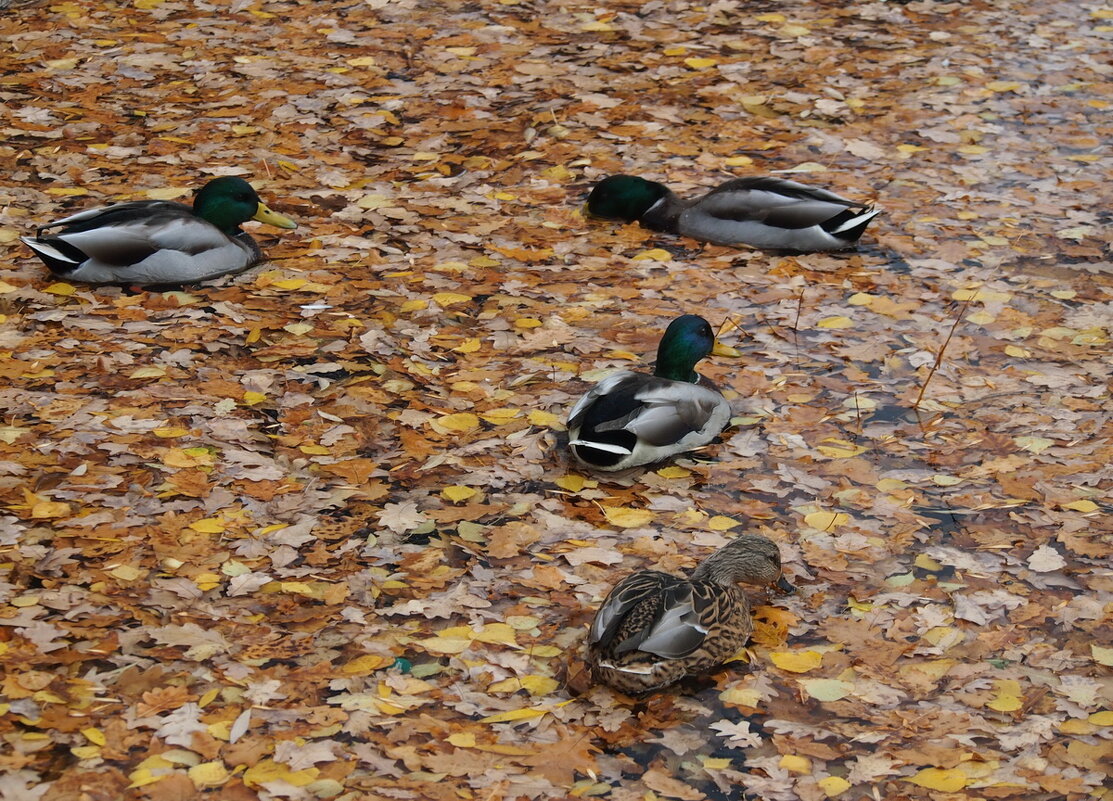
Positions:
{"x": 573, "y": 482}
{"x": 208, "y": 525}
{"x": 980, "y": 294}
{"x": 314, "y": 450}
{"x": 861, "y": 299}
{"x": 208, "y": 774}
{"x": 252, "y": 398}
{"x": 361, "y": 61}
{"x": 1018, "y": 352}
{"x": 457, "y": 493}
{"x": 267, "y": 770}
{"x": 469, "y": 345}
{"x": 825, "y": 521}
{"x": 86, "y": 751}
{"x": 527, "y": 322}
{"x": 170, "y": 432}
{"x": 364, "y": 665}
{"x": 946, "y": 481}
{"x": 148, "y": 372}
{"x": 1033, "y": 444}
{"x": 840, "y": 448}
{"x": 794, "y": 30}
{"x": 540, "y": 418}
{"x": 827, "y": 689}
{"x": 741, "y": 696}
{"x": 1004, "y": 86}
{"x": 126, "y": 572}
{"x": 534, "y": 685}
{"x": 1083, "y": 506}
{"x": 290, "y": 283}
{"x": 500, "y": 417}
{"x": 1103, "y": 718}
{"x": 143, "y": 777}
{"x": 499, "y": 633}
{"x": 450, "y": 298}
{"x": 625, "y": 517}
{"x": 1101, "y": 655}
{"x": 1008, "y": 696}
{"x": 738, "y": 161}
{"x": 95, "y": 736}
{"x": 446, "y": 645}
{"x": 414, "y": 305}
{"x": 656, "y": 254}
{"x": 458, "y": 423}
{"x": 514, "y": 714}
{"x": 835, "y": 322}
{"x": 773, "y": 17}
{"x": 700, "y": 63}
{"x": 66, "y": 191}
{"x": 796, "y": 764}
{"x": 796, "y": 661}
{"x": 298, "y": 329}
{"x": 462, "y": 739}
{"x": 946, "y": 781}
{"x": 672, "y": 471}
{"x": 167, "y": 192}
{"x": 973, "y": 150}
{"x": 722, "y": 523}
{"x": 45, "y": 510}
{"x": 596, "y": 26}
{"x": 833, "y": 785}
{"x": 5, "y": 288}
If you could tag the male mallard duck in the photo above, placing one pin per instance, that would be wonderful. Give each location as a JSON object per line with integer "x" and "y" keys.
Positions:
{"x": 654, "y": 629}
{"x": 762, "y": 212}
{"x": 157, "y": 241}
{"x": 629, "y": 418}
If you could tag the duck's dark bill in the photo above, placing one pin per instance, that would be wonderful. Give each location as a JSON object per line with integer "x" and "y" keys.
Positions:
{"x": 784, "y": 586}
{"x": 265, "y": 215}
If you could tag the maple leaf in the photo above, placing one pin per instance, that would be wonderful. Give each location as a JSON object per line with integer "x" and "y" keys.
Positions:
{"x": 559, "y": 762}
{"x": 738, "y": 734}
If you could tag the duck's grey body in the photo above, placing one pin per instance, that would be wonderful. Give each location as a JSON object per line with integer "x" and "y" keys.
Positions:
{"x": 145, "y": 242}
{"x": 761, "y": 212}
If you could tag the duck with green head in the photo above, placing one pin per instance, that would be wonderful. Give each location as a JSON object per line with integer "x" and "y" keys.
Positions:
{"x": 630, "y": 419}
{"x": 654, "y": 628}
{"x": 761, "y": 212}
{"x": 157, "y": 241}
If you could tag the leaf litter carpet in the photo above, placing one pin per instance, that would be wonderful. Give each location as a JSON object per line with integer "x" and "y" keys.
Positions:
{"x": 310, "y": 531}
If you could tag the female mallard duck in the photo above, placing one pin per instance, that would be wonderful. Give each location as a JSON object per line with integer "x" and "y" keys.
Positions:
{"x": 654, "y": 629}
{"x": 761, "y": 212}
{"x": 159, "y": 242}
{"x": 629, "y": 418}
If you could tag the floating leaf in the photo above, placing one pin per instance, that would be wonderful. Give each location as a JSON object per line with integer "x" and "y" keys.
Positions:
{"x": 947, "y": 781}
{"x": 825, "y": 521}
{"x": 625, "y": 517}
{"x": 797, "y": 661}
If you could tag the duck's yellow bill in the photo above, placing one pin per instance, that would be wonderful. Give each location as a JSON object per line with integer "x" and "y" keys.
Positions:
{"x": 265, "y": 215}
{"x": 725, "y": 350}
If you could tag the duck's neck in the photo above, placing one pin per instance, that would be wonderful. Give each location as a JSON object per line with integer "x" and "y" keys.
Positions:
{"x": 664, "y": 214}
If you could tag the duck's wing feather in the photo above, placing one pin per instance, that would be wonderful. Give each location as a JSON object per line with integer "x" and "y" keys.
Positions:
{"x": 656, "y": 410}
{"x": 774, "y": 201}
{"x": 681, "y": 624}
{"x": 638, "y": 591}
{"x": 128, "y": 233}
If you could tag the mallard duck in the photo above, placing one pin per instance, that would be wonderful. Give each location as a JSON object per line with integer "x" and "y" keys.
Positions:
{"x": 761, "y": 212}
{"x": 629, "y": 418}
{"x": 654, "y": 629}
{"x": 157, "y": 241}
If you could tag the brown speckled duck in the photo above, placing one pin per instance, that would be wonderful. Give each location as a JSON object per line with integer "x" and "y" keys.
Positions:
{"x": 654, "y": 629}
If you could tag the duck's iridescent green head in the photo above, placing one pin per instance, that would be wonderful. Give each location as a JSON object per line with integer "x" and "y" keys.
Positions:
{"x": 229, "y": 201}
{"x": 687, "y": 340}
{"x": 624, "y": 197}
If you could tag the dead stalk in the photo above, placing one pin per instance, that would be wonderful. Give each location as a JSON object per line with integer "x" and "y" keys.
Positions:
{"x": 942, "y": 351}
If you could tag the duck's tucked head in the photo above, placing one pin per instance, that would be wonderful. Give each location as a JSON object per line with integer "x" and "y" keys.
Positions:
{"x": 624, "y": 197}
{"x": 687, "y": 340}
{"x": 750, "y": 558}
{"x": 229, "y": 201}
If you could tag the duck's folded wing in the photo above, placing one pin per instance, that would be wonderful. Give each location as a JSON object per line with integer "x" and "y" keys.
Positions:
{"x": 131, "y": 232}
{"x": 669, "y": 411}
{"x": 638, "y": 591}
{"x": 686, "y": 614}
{"x": 774, "y": 201}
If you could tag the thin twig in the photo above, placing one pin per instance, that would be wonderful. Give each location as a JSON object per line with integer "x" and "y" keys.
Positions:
{"x": 942, "y": 350}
